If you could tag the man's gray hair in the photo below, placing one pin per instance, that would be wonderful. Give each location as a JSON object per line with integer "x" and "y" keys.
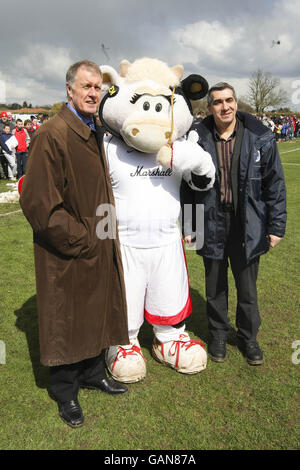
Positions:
{"x": 218, "y": 87}
{"x": 72, "y": 70}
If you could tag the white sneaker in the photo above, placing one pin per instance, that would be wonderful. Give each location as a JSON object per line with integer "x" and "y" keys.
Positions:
{"x": 126, "y": 363}
{"x": 185, "y": 355}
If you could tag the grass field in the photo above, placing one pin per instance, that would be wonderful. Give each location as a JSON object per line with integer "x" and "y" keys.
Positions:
{"x": 227, "y": 406}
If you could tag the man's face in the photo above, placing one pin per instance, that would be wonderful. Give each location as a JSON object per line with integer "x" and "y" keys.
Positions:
{"x": 4, "y": 119}
{"x": 19, "y": 124}
{"x": 6, "y": 129}
{"x": 86, "y": 92}
{"x": 223, "y": 107}
{"x": 28, "y": 125}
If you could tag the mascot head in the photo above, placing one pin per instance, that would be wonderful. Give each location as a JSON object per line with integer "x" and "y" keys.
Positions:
{"x": 148, "y": 103}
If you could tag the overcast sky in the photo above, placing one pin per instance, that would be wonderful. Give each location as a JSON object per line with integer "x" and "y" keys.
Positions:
{"x": 220, "y": 39}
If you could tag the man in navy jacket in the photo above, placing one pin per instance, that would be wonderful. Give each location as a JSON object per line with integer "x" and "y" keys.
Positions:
{"x": 3, "y": 144}
{"x": 245, "y": 214}
{"x": 4, "y": 147}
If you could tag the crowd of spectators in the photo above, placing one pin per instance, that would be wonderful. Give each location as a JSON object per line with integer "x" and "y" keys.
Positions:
{"x": 285, "y": 128}
{"x": 15, "y": 138}
{"x": 13, "y": 159}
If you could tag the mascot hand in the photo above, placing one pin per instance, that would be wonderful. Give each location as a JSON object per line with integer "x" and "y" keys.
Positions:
{"x": 164, "y": 156}
{"x": 193, "y": 137}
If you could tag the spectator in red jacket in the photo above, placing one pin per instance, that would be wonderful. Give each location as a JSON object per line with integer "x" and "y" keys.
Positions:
{"x": 23, "y": 139}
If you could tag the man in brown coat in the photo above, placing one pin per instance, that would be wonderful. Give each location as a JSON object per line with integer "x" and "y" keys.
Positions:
{"x": 79, "y": 277}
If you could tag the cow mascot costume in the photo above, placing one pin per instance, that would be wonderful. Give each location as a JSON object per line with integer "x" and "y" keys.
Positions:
{"x": 147, "y": 113}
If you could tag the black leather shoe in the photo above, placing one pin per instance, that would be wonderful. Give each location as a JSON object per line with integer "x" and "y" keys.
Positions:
{"x": 217, "y": 350}
{"x": 71, "y": 413}
{"x": 107, "y": 385}
{"x": 252, "y": 353}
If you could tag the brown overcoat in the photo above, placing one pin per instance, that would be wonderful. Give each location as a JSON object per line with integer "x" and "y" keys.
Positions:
{"x": 79, "y": 277}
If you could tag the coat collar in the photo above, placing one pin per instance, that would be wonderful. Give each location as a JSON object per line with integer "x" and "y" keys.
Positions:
{"x": 76, "y": 124}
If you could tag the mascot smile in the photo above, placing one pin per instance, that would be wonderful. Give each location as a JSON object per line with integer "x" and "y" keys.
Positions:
{"x": 147, "y": 114}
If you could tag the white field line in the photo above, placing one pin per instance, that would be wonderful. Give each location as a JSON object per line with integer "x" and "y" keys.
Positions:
{"x": 288, "y": 151}
{"x": 9, "y": 213}
{"x": 282, "y": 153}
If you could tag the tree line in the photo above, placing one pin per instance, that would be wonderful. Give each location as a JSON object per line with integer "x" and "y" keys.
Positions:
{"x": 264, "y": 91}
{"x": 16, "y": 106}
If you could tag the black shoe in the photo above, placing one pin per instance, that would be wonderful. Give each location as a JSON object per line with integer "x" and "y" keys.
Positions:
{"x": 252, "y": 353}
{"x": 71, "y": 413}
{"x": 107, "y": 385}
{"x": 217, "y": 350}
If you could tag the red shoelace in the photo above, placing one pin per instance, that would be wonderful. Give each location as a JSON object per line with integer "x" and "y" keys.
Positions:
{"x": 177, "y": 345}
{"x": 123, "y": 352}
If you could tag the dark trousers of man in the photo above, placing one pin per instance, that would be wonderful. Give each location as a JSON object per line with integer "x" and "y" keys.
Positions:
{"x": 3, "y": 166}
{"x": 245, "y": 276}
{"x": 66, "y": 379}
{"x": 21, "y": 163}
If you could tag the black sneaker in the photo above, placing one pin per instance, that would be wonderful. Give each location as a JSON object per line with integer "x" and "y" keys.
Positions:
{"x": 217, "y": 350}
{"x": 252, "y": 353}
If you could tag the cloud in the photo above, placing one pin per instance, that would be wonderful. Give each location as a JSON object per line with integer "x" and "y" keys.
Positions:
{"x": 44, "y": 61}
{"x": 239, "y": 44}
{"x": 231, "y": 49}
{"x": 41, "y": 73}
{"x": 221, "y": 40}
{"x": 206, "y": 39}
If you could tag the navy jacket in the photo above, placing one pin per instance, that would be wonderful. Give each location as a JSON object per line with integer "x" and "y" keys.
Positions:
{"x": 3, "y": 144}
{"x": 258, "y": 186}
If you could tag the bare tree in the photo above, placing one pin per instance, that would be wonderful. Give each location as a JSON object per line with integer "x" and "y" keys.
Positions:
{"x": 265, "y": 91}
{"x": 243, "y": 105}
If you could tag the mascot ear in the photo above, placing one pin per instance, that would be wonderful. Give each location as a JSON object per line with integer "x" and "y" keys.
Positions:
{"x": 178, "y": 70}
{"x": 124, "y": 66}
{"x": 110, "y": 76}
{"x": 194, "y": 87}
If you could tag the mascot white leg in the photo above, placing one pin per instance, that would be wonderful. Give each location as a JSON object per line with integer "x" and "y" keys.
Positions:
{"x": 174, "y": 348}
{"x": 167, "y": 304}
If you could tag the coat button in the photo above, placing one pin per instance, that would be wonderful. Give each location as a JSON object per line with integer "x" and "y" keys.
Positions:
{"x": 72, "y": 239}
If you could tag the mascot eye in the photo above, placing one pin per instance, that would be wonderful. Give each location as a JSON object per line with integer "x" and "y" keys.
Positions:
{"x": 146, "y": 106}
{"x": 158, "y": 107}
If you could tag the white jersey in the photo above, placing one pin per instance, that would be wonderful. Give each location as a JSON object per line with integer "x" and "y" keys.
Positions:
{"x": 146, "y": 196}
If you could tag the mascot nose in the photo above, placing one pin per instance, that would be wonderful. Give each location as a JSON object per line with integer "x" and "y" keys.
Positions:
{"x": 135, "y": 131}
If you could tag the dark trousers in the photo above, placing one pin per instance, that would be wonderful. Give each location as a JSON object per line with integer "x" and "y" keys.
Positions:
{"x": 3, "y": 166}
{"x": 66, "y": 379}
{"x": 245, "y": 276}
{"x": 21, "y": 163}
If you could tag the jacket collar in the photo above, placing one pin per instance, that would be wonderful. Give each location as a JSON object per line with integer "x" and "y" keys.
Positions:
{"x": 76, "y": 124}
{"x": 254, "y": 125}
